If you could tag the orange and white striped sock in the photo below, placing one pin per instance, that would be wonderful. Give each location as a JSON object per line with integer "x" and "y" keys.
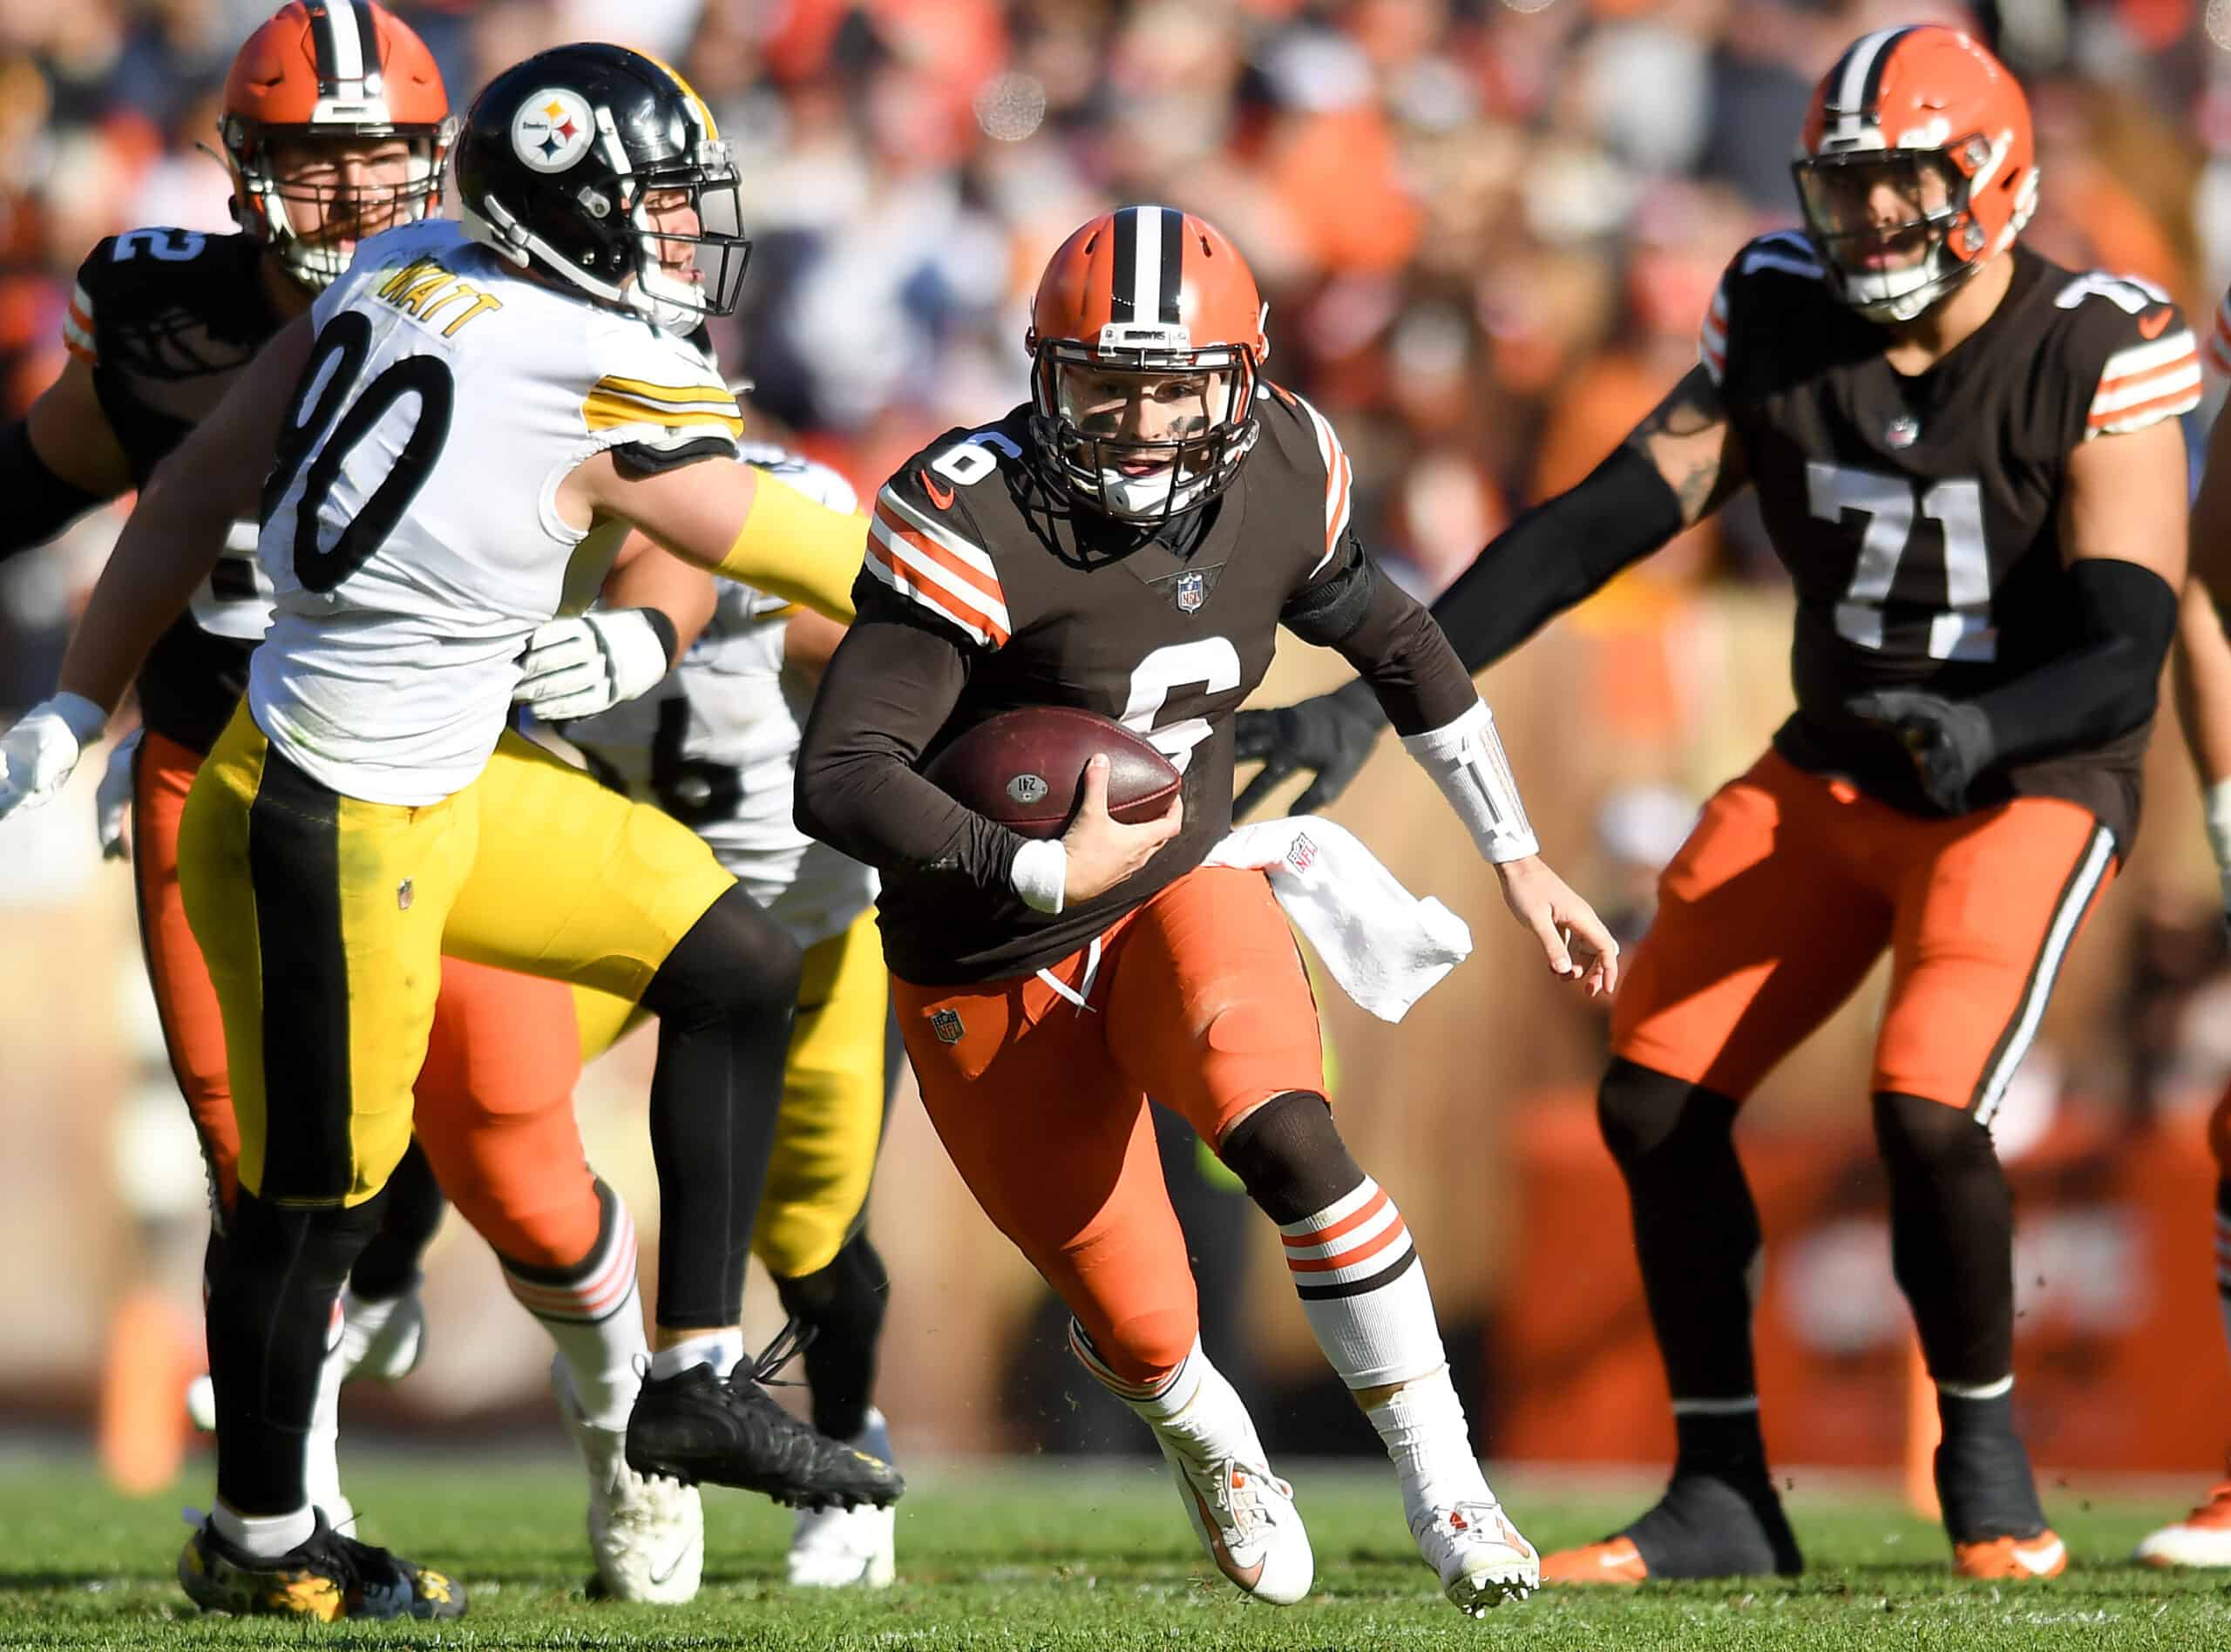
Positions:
{"x": 593, "y": 1314}
{"x": 1363, "y": 1288}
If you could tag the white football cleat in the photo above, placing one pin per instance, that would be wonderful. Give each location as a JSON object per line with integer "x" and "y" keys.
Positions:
{"x": 843, "y": 1549}
{"x": 1246, "y": 1519}
{"x": 1478, "y": 1554}
{"x": 2202, "y": 1538}
{"x": 384, "y": 1347}
{"x": 646, "y": 1532}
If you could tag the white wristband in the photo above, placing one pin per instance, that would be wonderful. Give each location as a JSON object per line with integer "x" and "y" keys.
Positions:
{"x": 1467, "y": 761}
{"x": 1041, "y": 874}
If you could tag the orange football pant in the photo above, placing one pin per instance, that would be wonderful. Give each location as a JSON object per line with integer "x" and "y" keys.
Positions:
{"x": 1038, "y": 1086}
{"x": 1790, "y": 887}
{"x": 495, "y": 1099}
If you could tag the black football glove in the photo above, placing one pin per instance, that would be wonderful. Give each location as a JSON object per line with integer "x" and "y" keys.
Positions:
{"x": 1951, "y": 741}
{"x": 1331, "y": 736}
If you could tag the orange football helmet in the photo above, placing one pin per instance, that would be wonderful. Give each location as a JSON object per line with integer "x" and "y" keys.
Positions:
{"x": 326, "y": 70}
{"x": 1146, "y": 339}
{"x": 1919, "y": 167}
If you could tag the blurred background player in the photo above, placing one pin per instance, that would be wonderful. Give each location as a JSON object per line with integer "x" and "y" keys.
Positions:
{"x": 716, "y": 748}
{"x": 1968, "y": 459}
{"x": 1129, "y": 541}
{"x": 401, "y": 606}
{"x": 2203, "y": 679}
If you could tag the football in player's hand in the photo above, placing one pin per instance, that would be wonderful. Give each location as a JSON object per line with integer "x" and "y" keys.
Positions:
{"x": 1024, "y": 768}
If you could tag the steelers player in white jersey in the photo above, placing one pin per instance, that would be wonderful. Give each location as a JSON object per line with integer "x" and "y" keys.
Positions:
{"x": 715, "y": 746}
{"x": 465, "y": 427}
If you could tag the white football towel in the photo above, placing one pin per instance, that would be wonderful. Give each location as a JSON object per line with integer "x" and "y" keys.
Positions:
{"x": 1384, "y": 946}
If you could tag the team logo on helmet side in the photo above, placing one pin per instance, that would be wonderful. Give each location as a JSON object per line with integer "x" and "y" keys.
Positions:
{"x": 552, "y": 129}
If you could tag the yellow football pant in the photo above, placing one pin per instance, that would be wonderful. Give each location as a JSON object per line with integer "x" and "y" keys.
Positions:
{"x": 323, "y": 920}
{"x": 833, "y": 1096}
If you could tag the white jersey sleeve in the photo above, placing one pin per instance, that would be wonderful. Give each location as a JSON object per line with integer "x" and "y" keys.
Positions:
{"x": 411, "y": 533}
{"x": 717, "y": 744}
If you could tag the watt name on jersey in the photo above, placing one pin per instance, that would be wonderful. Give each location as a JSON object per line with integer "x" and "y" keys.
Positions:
{"x": 411, "y": 534}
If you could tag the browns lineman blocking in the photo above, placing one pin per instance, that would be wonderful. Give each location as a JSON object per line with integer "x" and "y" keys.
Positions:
{"x": 1968, "y": 460}
{"x": 1128, "y": 543}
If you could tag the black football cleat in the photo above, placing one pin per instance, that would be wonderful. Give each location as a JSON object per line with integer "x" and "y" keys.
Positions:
{"x": 697, "y": 1426}
{"x": 327, "y": 1578}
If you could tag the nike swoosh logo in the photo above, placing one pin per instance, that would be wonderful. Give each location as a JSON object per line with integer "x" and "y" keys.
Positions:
{"x": 1608, "y": 1561}
{"x": 672, "y": 1566}
{"x": 1246, "y": 1576}
{"x": 2041, "y": 1560}
{"x": 942, "y": 498}
{"x": 2152, "y": 326}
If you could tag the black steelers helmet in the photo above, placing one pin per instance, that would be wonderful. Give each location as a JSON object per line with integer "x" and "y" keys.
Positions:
{"x": 568, "y": 158}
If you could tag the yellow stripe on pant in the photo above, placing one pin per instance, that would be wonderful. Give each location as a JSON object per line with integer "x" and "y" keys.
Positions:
{"x": 833, "y": 1098}
{"x": 323, "y": 920}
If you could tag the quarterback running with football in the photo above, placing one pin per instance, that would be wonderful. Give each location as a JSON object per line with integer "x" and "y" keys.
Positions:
{"x": 1128, "y": 543}
{"x": 366, "y": 810}
{"x": 1969, "y": 462}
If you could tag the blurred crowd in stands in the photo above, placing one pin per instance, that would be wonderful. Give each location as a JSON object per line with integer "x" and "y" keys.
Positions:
{"x": 1487, "y": 229}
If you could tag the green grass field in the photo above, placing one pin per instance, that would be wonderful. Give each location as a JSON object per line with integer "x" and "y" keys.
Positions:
{"x": 1100, "y": 1558}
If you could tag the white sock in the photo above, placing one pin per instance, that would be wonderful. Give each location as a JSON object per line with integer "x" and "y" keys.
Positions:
{"x": 321, "y": 1442}
{"x": 1363, "y": 1288}
{"x": 722, "y": 1349}
{"x": 363, "y": 1318}
{"x": 1430, "y": 1444}
{"x": 265, "y": 1536}
{"x": 1194, "y": 1409}
{"x": 596, "y": 1317}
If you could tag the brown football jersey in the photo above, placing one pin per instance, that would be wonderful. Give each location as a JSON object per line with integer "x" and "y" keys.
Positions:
{"x": 165, "y": 318}
{"x": 1919, "y": 517}
{"x": 1051, "y": 609}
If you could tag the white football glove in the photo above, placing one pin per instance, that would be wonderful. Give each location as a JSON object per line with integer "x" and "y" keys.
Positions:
{"x": 112, "y": 803}
{"x": 580, "y": 667}
{"x": 39, "y": 753}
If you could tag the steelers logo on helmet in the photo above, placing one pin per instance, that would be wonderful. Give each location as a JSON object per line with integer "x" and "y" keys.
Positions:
{"x": 552, "y": 129}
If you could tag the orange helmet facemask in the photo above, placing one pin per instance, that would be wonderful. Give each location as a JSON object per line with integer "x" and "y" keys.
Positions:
{"x": 331, "y": 69}
{"x": 1144, "y": 307}
{"x": 1918, "y": 167}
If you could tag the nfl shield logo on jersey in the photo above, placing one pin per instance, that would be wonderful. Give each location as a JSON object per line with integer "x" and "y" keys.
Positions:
{"x": 946, "y": 1025}
{"x": 1902, "y": 432}
{"x": 1192, "y": 592}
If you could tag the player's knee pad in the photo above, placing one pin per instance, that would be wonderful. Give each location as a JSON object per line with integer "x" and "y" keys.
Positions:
{"x": 1645, "y": 1114}
{"x": 734, "y": 960}
{"x": 1289, "y": 1155}
{"x": 853, "y": 1288}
